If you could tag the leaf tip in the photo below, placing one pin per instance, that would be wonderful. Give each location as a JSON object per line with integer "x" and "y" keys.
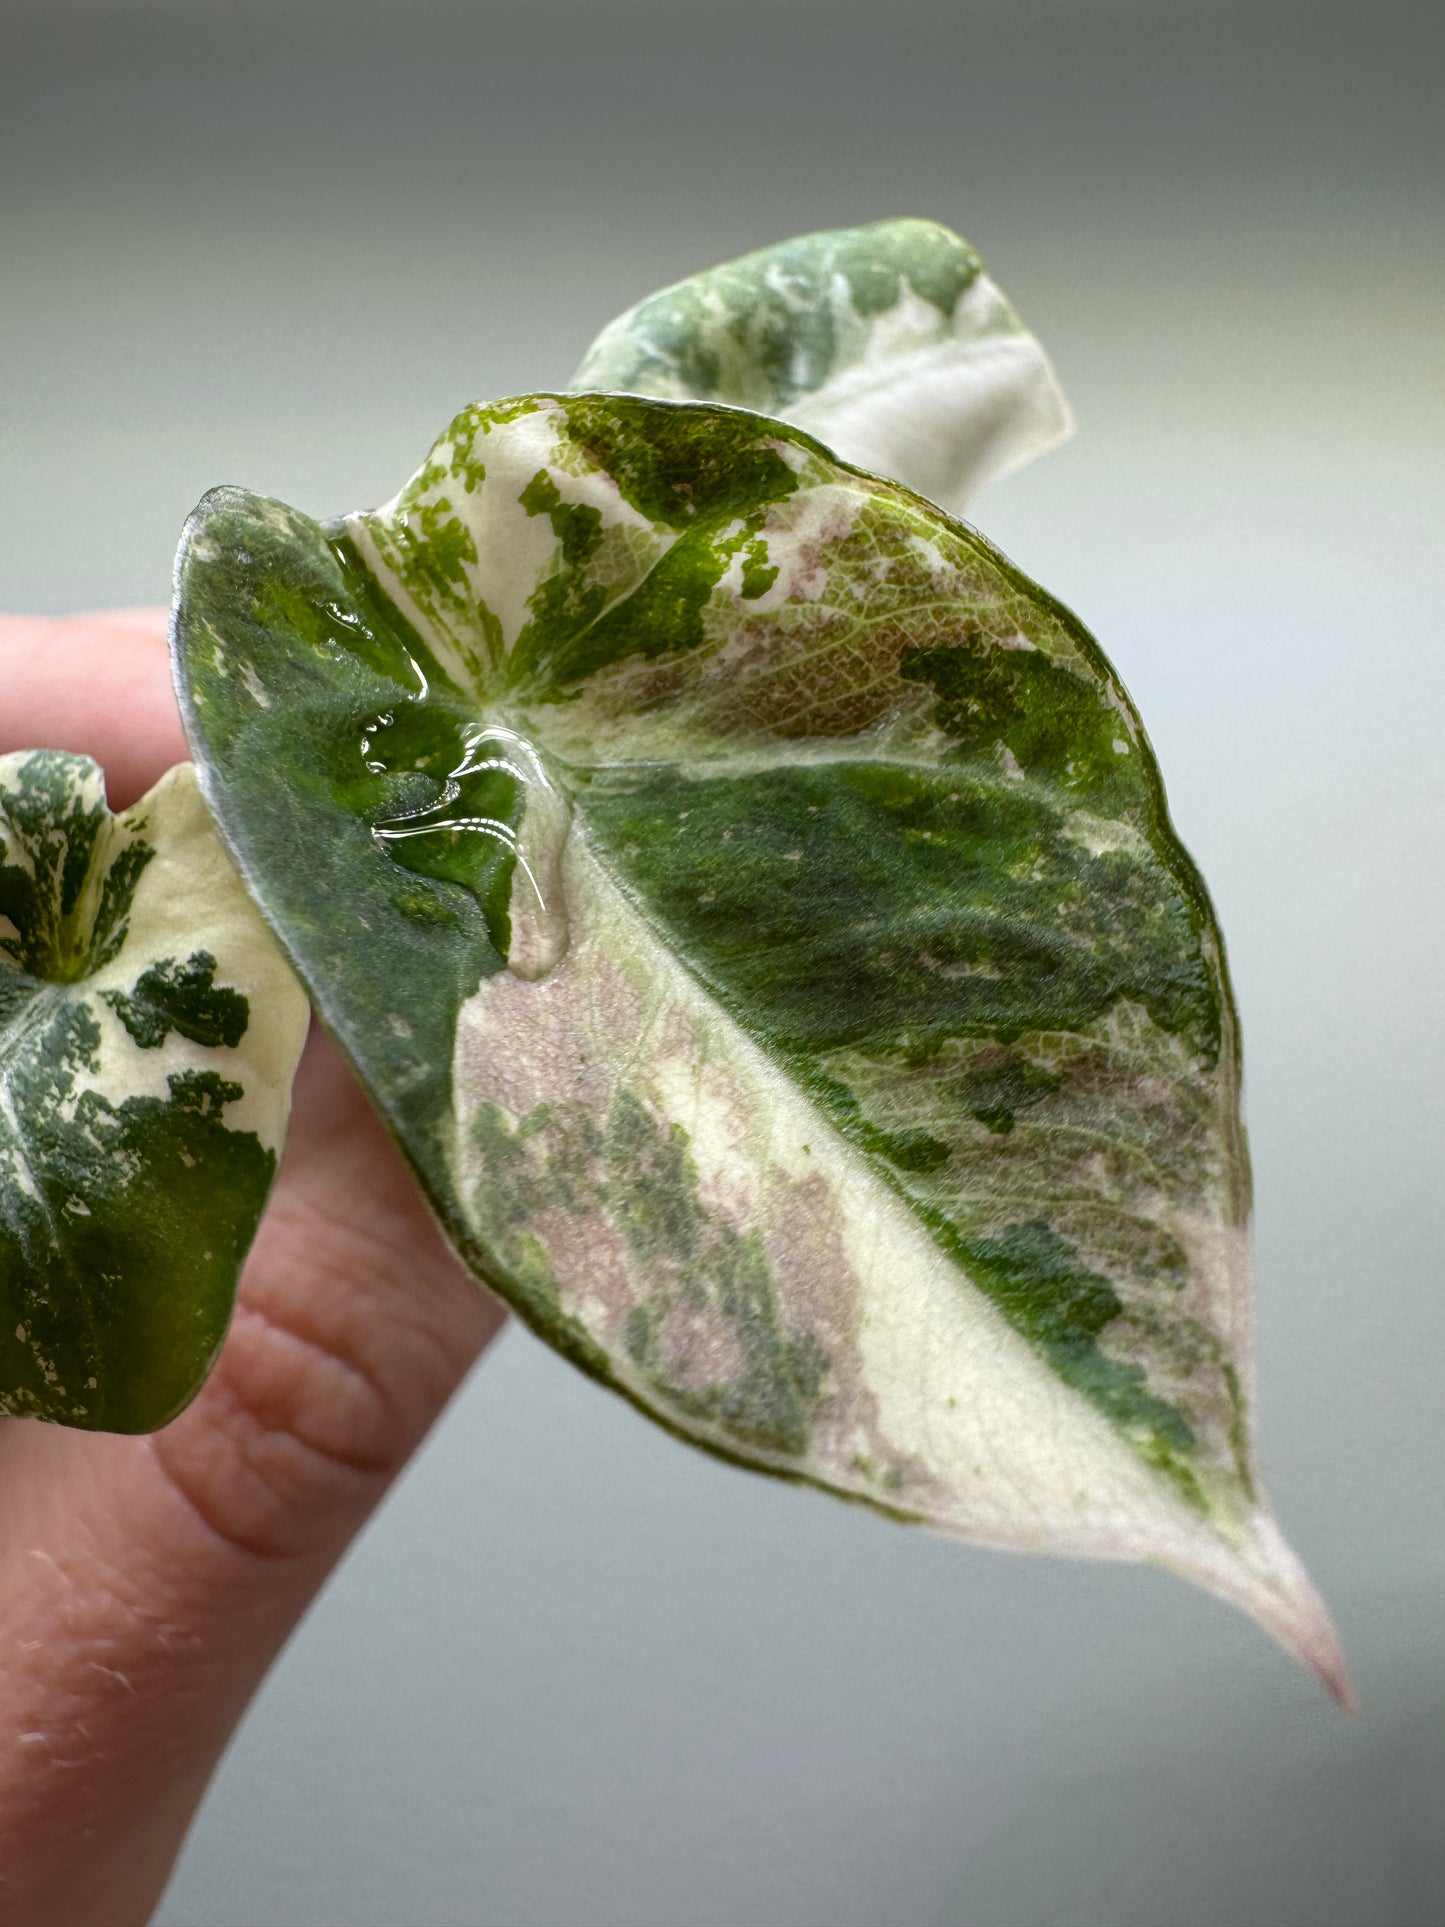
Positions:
{"x": 1263, "y": 1576}
{"x": 1304, "y": 1628}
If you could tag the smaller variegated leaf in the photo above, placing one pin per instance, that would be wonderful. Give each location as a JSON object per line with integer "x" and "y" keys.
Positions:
{"x": 753, "y": 905}
{"x": 149, "y": 1030}
{"x": 890, "y": 343}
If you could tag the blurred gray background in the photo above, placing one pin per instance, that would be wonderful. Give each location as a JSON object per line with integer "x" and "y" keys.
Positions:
{"x": 575, "y": 1673}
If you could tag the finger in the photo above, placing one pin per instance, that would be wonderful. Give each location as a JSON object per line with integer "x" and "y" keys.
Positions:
{"x": 354, "y": 1326}
{"x": 151, "y": 619}
{"x": 150, "y": 1582}
{"x": 94, "y": 685}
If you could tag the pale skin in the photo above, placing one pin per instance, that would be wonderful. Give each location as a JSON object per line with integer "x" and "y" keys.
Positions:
{"x": 146, "y": 1584}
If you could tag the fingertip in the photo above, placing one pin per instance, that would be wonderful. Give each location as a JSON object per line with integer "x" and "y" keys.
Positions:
{"x": 93, "y": 685}
{"x": 151, "y": 621}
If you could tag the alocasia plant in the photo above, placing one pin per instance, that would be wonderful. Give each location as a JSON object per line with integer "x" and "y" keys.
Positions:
{"x": 752, "y": 904}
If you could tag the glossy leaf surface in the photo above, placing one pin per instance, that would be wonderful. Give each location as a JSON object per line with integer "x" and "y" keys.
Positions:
{"x": 753, "y": 905}
{"x": 890, "y": 343}
{"x": 149, "y": 1029}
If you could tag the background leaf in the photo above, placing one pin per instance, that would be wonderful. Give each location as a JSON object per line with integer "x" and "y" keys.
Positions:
{"x": 149, "y": 1030}
{"x": 888, "y": 342}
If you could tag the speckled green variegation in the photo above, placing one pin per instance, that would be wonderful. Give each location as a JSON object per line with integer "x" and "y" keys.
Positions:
{"x": 149, "y": 1029}
{"x": 752, "y": 903}
{"x": 890, "y": 343}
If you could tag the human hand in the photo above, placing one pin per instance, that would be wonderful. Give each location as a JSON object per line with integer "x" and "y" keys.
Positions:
{"x": 146, "y": 1584}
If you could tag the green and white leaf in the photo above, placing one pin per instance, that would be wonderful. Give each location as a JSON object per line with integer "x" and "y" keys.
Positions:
{"x": 752, "y": 903}
{"x": 149, "y": 1029}
{"x": 890, "y": 343}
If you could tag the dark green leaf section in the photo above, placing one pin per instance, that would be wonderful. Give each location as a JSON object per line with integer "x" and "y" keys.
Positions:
{"x": 182, "y": 997}
{"x": 119, "y": 1259}
{"x": 679, "y": 468}
{"x": 895, "y": 906}
{"x": 642, "y": 1176}
{"x": 1040, "y": 711}
{"x": 355, "y": 801}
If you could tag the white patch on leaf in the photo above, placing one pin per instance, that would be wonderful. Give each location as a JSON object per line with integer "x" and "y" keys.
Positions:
{"x": 798, "y": 535}
{"x": 945, "y": 410}
{"x": 517, "y": 549}
{"x": 189, "y": 898}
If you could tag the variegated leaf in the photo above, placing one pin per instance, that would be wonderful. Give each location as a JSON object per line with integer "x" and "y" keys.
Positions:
{"x": 149, "y": 1029}
{"x": 890, "y": 343}
{"x": 753, "y": 905}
